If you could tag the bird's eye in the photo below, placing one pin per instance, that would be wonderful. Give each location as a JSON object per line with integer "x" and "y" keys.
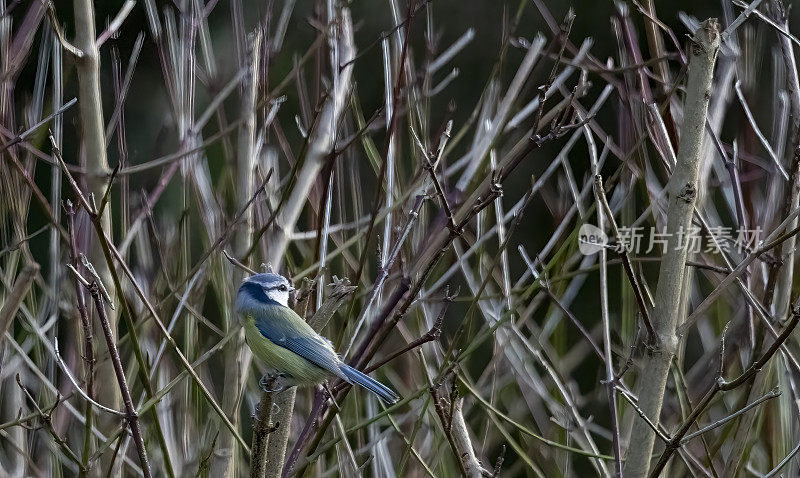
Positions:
{"x": 282, "y": 288}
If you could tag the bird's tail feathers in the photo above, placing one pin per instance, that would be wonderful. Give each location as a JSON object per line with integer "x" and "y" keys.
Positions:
{"x": 382, "y": 391}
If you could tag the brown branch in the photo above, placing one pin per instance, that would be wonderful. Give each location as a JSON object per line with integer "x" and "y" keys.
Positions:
{"x": 130, "y": 410}
{"x": 431, "y": 335}
{"x": 88, "y": 337}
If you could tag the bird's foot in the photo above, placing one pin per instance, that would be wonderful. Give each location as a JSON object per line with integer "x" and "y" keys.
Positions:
{"x": 270, "y": 382}
{"x": 275, "y": 382}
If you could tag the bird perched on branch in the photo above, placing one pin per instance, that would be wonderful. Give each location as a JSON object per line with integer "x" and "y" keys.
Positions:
{"x": 279, "y": 337}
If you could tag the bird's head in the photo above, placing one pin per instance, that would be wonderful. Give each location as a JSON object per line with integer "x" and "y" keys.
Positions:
{"x": 263, "y": 289}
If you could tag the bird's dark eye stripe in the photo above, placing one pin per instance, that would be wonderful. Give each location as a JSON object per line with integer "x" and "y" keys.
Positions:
{"x": 255, "y": 290}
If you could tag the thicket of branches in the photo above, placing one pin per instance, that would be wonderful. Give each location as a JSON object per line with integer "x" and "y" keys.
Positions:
{"x": 439, "y": 245}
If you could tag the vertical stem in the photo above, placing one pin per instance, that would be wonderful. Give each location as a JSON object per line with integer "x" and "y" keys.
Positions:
{"x": 130, "y": 411}
{"x": 321, "y": 143}
{"x": 783, "y": 288}
{"x": 261, "y": 429}
{"x": 91, "y": 105}
{"x": 278, "y": 440}
{"x": 611, "y": 390}
{"x": 655, "y": 42}
{"x": 235, "y": 362}
{"x": 88, "y": 339}
{"x": 462, "y": 441}
{"x": 246, "y": 152}
{"x": 92, "y": 128}
{"x": 321, "y": 140}
{"x": 682, "y": 195}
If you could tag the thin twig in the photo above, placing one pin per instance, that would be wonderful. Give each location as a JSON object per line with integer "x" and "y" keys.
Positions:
{"x": 626, "y": 262}
{"x": 131, "y": 416}
{"x": 86, "y": 327}
{"x": 65, "y": 369}
{"x": 46, "y": 418}
{"x": 775, "y": 392}
{"x": 429, "y": 336}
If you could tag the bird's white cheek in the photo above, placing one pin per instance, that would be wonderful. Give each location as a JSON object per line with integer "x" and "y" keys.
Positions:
{"x": 280, "y": 297}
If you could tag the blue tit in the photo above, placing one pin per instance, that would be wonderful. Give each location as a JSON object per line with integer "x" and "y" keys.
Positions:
{"x": 285, "y": 342}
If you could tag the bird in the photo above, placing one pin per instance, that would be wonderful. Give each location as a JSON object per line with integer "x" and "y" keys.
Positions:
{"x": 285, "y": 342}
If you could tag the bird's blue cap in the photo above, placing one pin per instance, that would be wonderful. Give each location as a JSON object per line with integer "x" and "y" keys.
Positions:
{"x": 266, "y": 279}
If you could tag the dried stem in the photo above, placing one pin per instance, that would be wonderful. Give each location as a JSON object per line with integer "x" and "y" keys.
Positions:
{"x": 131, "y": 416}
{"x": 88, "y": 337}
{"x": 93, "y": 141}
{"x": 626, "y": 262}
{"x": 261, "y": 430}
{"x": 13, "y": 301}
{"x": 224, "y": 462}
{"x": 451, "y": 416}
{"x": 682, "y": 193}
{"x": 47, "y": 419}
{"x": 603, "y": 214}
{"x": 721, "y": 385}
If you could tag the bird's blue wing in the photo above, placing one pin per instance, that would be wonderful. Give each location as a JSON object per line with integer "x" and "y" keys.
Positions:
{"x": 286, "y": 329}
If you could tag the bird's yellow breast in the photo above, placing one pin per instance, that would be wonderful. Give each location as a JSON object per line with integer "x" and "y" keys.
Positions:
{"x": 280, "y": 358}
